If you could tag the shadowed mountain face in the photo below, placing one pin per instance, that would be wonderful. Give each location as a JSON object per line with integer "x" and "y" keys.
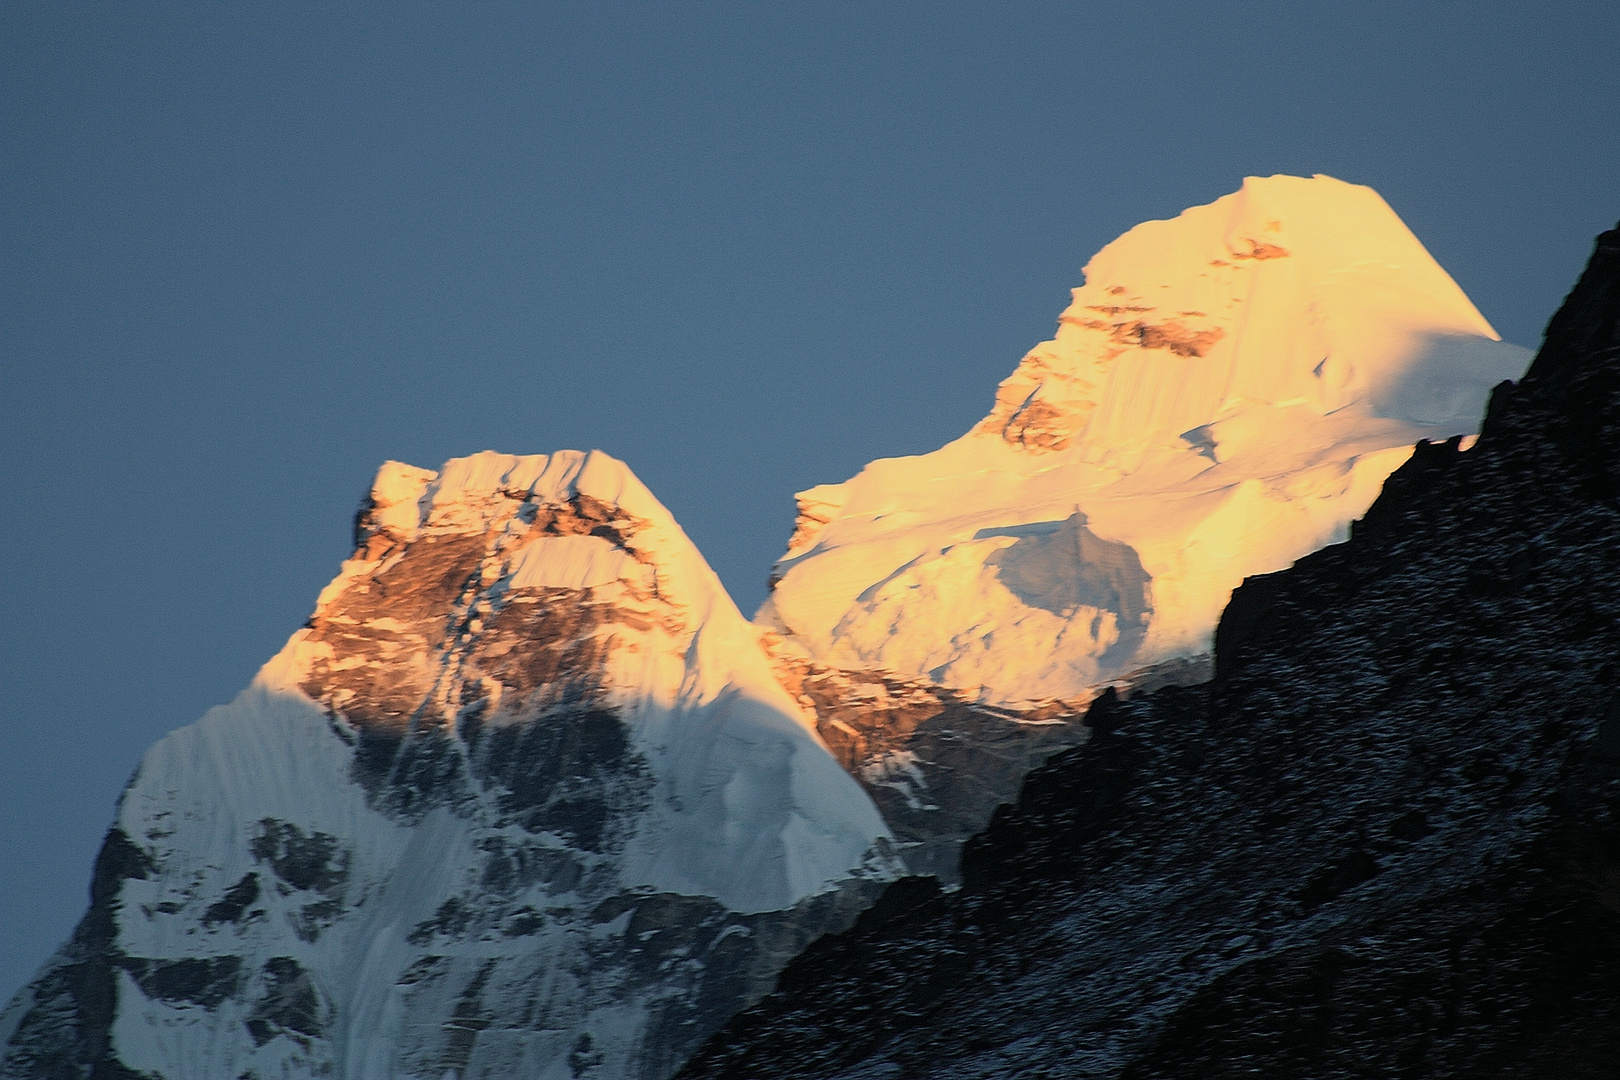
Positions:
{"x": 1062, "y": 566}
{"x": 937, "y": 765}
{"x": 1383, "y": 841}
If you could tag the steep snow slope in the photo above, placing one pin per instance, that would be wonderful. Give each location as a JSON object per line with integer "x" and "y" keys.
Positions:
{"x": 1384, "y": 841}
{"x": 1226, "y": 392}
{"x": 523, "y": 798}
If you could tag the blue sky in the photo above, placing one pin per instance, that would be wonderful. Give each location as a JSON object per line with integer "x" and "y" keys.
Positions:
{"x": 249, "y": 253}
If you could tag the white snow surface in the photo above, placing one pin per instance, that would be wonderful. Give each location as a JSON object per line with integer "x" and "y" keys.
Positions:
{"x": 1226, "y": 393}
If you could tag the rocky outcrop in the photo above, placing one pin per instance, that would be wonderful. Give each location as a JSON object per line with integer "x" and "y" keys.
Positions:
{"x": 935, "y": 763}
{"x": 1383, "y": 840}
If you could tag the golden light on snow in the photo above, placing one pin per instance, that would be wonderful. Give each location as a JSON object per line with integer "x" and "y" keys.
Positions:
{"x": 1225, "y": 393}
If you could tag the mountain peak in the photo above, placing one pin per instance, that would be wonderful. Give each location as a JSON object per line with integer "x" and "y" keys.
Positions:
{"x": 525, "y": 767}
{"x": 500, "y": 589}
{"x": 1287, "y": 291}
{"x": 1225, "y": 393}
{"x": 1383, "y": 841}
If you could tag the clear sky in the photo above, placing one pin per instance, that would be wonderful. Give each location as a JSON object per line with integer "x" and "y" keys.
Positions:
{"x": 251, "y": 252}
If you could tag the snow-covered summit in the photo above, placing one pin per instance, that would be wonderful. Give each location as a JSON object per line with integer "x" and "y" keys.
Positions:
{"x": 1226, "y": 392}
{"x": 523, "y": 798}
{"x": 461, "y": 576}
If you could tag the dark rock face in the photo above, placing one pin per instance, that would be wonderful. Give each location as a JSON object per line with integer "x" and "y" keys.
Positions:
{"x": 429, "y": 642}
{"x": 1383, "y": 841}
{"x": 938, "y": 765}
{"x": 65, "y": 1035}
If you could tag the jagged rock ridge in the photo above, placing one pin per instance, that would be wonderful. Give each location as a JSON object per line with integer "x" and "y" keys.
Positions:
{"x": 523, "y": 798}
{"x": 1384, "y": 840}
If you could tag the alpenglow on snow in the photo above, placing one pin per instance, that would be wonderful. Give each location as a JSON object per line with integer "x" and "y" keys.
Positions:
{"x": 528, "y": 797}
{"x": 522, "y": 799}
{"x": 1225, "y": 394}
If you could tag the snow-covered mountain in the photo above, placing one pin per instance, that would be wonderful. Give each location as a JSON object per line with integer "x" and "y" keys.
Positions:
{"x": 528, "y": 796}
{"x": 522, "y": 799}
{"x": 1383, "y": 841}
{"x": 1225, "y": 394}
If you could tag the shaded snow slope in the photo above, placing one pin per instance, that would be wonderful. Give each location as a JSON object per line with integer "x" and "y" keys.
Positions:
{"x": 1225, "y": 393}
{"x": 523, "y": 798}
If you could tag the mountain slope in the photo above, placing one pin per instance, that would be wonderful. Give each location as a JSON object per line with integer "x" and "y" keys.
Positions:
{"x": 1384, "y": 840}
{"x": 523, "y": 797}
{"x": 1225, "y": 394}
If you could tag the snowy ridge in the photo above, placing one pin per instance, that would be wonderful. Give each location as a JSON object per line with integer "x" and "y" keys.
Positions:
{"x": 523, "y": 798}
{"x": 1383, "y": 840}
{"x": 689, "y": 652}
{"x": 1227, "y": 391}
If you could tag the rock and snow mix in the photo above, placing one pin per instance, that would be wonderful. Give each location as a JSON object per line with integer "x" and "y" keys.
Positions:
{"x": 523, "y": 798}
{"x": 746, "y": 807}
{"x": 526, "y": 797}
{"x": 1227, "y": 392}
{"x": 1383, "y": 841}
